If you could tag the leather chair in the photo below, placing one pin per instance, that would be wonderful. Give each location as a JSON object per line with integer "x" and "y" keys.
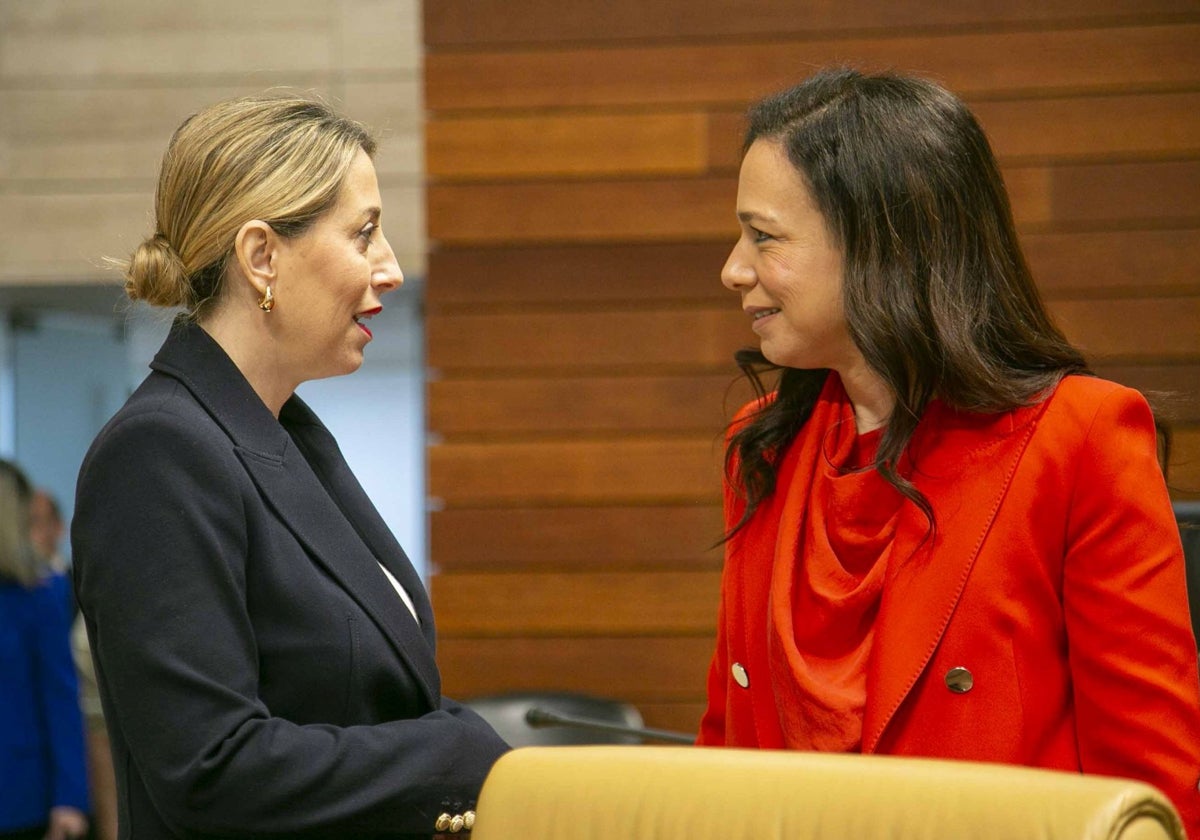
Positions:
{"x": 695, "y": 793}
{"x": 507, "y": 715}
{"x": 1187, "y": 514}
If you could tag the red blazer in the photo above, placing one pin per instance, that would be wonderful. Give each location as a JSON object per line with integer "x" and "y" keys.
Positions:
{"x": 1055, "y": 577}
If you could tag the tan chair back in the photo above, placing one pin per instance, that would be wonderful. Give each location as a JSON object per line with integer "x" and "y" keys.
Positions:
{"x": 690, "y": 793}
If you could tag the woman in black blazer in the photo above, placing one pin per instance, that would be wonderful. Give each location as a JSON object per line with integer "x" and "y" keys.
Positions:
{"x": 264, "y": 648}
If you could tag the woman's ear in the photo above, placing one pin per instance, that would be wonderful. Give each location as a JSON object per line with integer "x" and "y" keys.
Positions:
{"x": 255, "y": 249}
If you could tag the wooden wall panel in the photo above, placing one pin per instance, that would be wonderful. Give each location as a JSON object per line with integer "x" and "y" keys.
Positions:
{"x": 1058, "y": 197}
{"x": 582, "y": 211}
{"x": 581, "y": 199}
{"x": 1137, "y": 125}
{"x": 577, "y": 274}
{"x": 1101, "y": 59}
{"x": 650, "y": 668}
{"x": 586, "y": 539}
{"x": 480, "y": 23}
{"x": 650, "y": 470}
{"x": 1152, "y": 330}
{"x": 1173, "y": 390}
{"x": 537, "y": 145}
{"x": 1183, "y": 473}
{"x": 1117, "y": 262}
{"x": 579, "y": 340}
{"x": 584, "y": 144}
{"x": 576, "y": 603}
{"x": 680, "y": 717}
{"x": 615, "y": 404}
{"x": 1163, "y": 194}
{"x": 511, "y": 277}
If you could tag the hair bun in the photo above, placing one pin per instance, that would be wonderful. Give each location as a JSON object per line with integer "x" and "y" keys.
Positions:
{"x": 156, "y": 274}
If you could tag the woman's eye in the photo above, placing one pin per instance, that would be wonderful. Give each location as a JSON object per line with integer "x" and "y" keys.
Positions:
{"x": 368, "y": 232}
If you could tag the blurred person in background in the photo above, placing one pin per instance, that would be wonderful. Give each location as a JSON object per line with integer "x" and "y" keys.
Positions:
{"x": 47, "y": 530}
{"x": 43, "y": 775}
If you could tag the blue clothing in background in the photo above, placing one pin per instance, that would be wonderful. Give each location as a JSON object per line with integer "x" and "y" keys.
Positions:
{"x": 42, "y": 761}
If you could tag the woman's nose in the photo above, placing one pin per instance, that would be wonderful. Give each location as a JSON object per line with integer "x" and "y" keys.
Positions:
{"x": 386, "y": 274}
{"x": 736, "y": 274}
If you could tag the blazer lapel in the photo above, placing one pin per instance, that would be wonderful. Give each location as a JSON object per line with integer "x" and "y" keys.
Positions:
{"x": 339, "y": 525}
{"x": 300, "y": 500}
{"x": 964, "y": 468}
{"x": 326, "y": 459}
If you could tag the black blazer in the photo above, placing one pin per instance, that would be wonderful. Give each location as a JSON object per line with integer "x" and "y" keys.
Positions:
{"x": 259, "y": 674}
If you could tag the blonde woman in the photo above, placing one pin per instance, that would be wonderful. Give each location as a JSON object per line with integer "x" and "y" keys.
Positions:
{"x": 263, "y": 647}
{"x": 43, "y": 777}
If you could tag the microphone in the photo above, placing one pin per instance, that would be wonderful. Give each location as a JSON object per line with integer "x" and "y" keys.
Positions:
{"x": 538, "y": 717}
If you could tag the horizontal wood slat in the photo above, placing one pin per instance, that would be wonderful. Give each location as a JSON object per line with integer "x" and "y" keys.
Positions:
{"x": 674, "y": 717}
{"x": 557, "y": 406}
{"x": 588, "y": 604}
{"x": 1117, "y": 194}
{"x": 1149, "y": 330}
{"x": 563, "y": 275}
{"x": 479, "y": 23}
{"x": 601, "y": 404}
{"x": 988, "y": 64}
{"x": 1044, "y": 198}
{"x": 564, "y": 211}
{"x": 1183, "y": 473}
{"x": 1129, "y": 262}
{"x": 577, "y": 340}
{"x": 650, "y": 537}
{"x": 1173, "y": 390}
{"x": 665, "y": 669}
{"x": 664, "y": 470}
{"x": 1126, "y": 262}
{"x": 598, "y": 145}
{"x": 472, "y": 475}
{"x": 1146, "y": 124}
{"x": 1041, "y": 130}
{"x": 555, "y": 145}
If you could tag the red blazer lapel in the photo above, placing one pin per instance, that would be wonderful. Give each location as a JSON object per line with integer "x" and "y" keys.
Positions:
{"x": 964, "y": 467}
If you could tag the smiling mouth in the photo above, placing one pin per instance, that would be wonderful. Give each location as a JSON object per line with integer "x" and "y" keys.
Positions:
{"x": 361, "y": 318}
{"x": 763, "y": 313}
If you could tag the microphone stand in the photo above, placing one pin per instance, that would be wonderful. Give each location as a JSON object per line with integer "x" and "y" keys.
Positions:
{"x": 538, "y": 717}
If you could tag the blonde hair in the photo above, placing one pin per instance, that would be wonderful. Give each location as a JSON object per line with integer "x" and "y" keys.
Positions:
{"x": 280, "y": 159}
{"x": 18, "y": 560}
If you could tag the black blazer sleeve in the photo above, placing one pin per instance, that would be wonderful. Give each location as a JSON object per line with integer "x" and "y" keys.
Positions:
{"x": 247, "y": 692}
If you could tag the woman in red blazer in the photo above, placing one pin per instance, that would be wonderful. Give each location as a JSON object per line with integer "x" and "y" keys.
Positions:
{"x": 944, "y": 536}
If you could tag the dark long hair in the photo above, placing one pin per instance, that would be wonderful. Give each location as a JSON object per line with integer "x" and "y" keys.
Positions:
{"x": 937, "y": 295}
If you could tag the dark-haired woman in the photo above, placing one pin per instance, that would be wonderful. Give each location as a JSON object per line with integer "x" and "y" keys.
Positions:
{"x": 944, "y": 536}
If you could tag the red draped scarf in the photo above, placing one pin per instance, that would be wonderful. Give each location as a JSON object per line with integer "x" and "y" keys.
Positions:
{"x": 827, "y": 579}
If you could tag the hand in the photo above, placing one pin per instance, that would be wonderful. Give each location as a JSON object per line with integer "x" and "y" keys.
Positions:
{"x": 66, "y": 823}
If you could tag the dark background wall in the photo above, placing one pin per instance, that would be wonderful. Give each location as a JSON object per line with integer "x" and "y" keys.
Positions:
{"x": 582, "y": 161}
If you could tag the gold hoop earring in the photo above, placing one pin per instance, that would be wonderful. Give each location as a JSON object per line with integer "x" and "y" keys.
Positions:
{"x": 268, "y": 301}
